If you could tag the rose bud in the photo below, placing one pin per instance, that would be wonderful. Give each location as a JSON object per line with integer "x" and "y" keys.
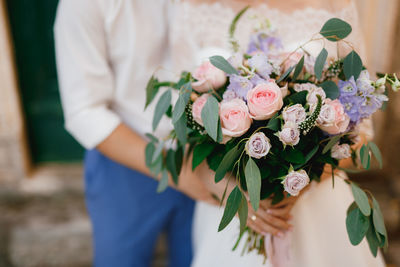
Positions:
{"x": 258, "y": 145}
{"x": 208, "y": 77}
{"x": 295, "y": 181}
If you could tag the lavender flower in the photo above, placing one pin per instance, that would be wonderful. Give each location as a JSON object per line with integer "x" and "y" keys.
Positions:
{"x": 348, "y": 87}
{"x": 258, "y": 145}
{"x": 260, "y": 63}
{"x": 229, "y": 95}
{"x": 240, "y": 85}
{"x": 261, "y": 41}
{"x": 351, "y": 106}
{"x": 256, "y": 80}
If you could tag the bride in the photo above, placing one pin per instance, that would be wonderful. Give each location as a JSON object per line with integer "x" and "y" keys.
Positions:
{"x": 315, "y": 227}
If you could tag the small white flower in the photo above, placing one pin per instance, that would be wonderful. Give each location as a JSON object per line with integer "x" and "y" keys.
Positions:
{"x": 340, "y": 151}
{"x": 295, "y": 181}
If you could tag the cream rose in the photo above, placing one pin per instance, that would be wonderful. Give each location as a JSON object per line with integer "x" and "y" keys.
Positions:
{"x": 295, "y": 181}
{"x": 290, "y": 134}
{"x": 235, "y": 118}
{"x": 208, "y": 77}
{"x": 258, "y": 145}
{"x": 341, "y": 151}
{"x": 264, "y": 100}
{"x": 332, "y": 118}
{"x": 295, "y": 113}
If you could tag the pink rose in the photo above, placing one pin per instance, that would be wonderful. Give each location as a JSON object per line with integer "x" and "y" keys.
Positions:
{"x": 264, "y": 100}
{"x": 235, "y": 118}
{"x": 295, "y": 181}
{"x": 197, "y": 107}
{"x": 333, "y": 118}
{"x": 208, "y": 77}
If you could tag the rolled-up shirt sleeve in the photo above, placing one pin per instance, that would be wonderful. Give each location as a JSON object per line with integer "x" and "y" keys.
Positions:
{"x": 85, "y": 77}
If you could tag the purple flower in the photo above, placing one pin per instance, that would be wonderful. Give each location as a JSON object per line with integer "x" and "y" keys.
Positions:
{"x": 260, "y": 41}
{"x": 256, "y": 80}
{"x": 348, "y": 87}
{"x": 351, "y": 106}
{"x": 370, "y": 104}
{"x": 229, "y": 95}
{"x": 260, "y": 63}
{"x": 364, "y": 84}
{"x": 240, "y": 85}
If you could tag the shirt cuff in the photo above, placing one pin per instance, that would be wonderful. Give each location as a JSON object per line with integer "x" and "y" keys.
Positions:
{"x": 91, "y": 126}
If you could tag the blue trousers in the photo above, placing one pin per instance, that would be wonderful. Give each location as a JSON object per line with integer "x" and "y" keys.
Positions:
{"x": 127, "y": 216}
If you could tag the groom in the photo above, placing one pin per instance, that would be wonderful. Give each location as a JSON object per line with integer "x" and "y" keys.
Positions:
{"x": 106, "y": 51}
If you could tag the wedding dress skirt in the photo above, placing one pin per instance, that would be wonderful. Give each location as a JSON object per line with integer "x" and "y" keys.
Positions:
{"x": 319, "y": 237}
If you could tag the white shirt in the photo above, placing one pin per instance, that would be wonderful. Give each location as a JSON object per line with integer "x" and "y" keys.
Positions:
{"x": 106, "y": 51}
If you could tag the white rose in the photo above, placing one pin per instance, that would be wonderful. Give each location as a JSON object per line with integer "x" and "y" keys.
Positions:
{"x": 295, "y": 181}
{"x": 312, "y": 95}
{"x": 340, "y": 151}
{"x": 295, "y": 113}
{"x": 327, "y": 115}
{"x": 258, "y": 145}
{"x": 290, "y": 134}
{"x": 298, "y": 87}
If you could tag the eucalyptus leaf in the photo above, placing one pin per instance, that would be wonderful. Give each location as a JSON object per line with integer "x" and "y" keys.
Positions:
{"x": 200, "y": 153}
{"x": 331, "y": 143}
{"x": 151, "y": 90}
{"x": 161, "y": 108}
{"x": 149, "y": 152}
{"x": 222, "y": 64}
{"x": 357, "y": 226}
{"x": 179, "y": 109}
{"x": 377, "y": 217}
{"x": 286, "y": 74}
{"x": 253, "y": 181}
{"x": 274, "y": 123}
{"x": 243, "y": 212}
{"x": 152, "y": 138}
{"x": 331, "y": 89}
{"x": 352, "y": 65}
{"x": 320, "y": 63}
{"x": 299, "y": 68}
{"x": 163, "y": 183}
{"x": 181, "y": 129}
{"x": 226, "y": 163}
{"x": 361, "y": 199}
{"x": 231, "y": 207}
{"x": 310, "y": 154}
{"x": 373, "y": 241}
{"x": 158, "y": 151}
{"x": 210, "y": 117}
{"x": 376, "y": 152}
{"x": 171, "y": 165}
{"x": 365, "y": 157}
{"x": 335, "y": 29}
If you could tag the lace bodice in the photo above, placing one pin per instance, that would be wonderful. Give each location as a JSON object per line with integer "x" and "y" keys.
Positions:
{"x": 199, "y": 29}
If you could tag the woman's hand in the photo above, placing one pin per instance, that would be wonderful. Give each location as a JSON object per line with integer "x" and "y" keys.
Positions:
{"x": 270, "y": 218}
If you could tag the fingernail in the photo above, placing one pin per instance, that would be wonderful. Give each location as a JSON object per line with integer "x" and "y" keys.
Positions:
{"x": 264, "y": 233}
{"x": 280, "y": 234}
{"x": 269, "y": 211}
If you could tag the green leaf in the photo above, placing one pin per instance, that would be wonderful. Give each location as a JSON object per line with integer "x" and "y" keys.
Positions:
{"x": 157, "y": 165}
{"x": 286, "y": 74}
{"x": 253, "y": 181}
{"x": 231, "y": 207}
{"x": 298, "y": 98}
{"x": 331, "y": 89}
{"x": 365, "y": 157}
{"x": 294, "y": 156}
{"x": 352, "y": 206}
{"x": 311, "y": 153}
{"x": 320, "y": 63}
{"x": 352, "y": 65}
{"x": 152, "y": 138}
{"x": 162, "y": 106}
{"x": 299, "y": 68}
{"x": 335, "y": 29}
{"x": 377, "y": 218}
{"x": 158, "y": 151}
{"x": 171, "y": 165}
{"x": 243, "y": 212}
{"x": 210, "y": 117}
{"x": 149, "y": 152}
{"x": 200, "y": 153}
{"x": 151, "y": 90}
{"x": 361, "y": 199}
{"x": 163, "y": 183}
{"x": 357, "y": 226}
{"x": 232, "y": 28}
{"x": 274, "y": 123}
{"x": 222, "y": 64}
{"x": 331, "y": 143}
{"x": 376, "y": 152}
{"x": 179, "y": 109}
{"x": 373, "y": 241}
{"x": 180, "y": 129}
{"x": 226, "y": 163}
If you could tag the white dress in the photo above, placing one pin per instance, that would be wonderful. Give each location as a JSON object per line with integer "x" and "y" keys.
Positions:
{"x": 319, "y": 238}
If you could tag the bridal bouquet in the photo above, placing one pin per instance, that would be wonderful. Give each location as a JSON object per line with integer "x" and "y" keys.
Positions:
{"x": 272, "y": 121}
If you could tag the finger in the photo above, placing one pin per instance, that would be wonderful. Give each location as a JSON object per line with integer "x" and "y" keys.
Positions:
{"x": 284, "y": 202}
{"x": 254, "y": 227}
{"x": 283, "y": 213}
{"x": 276, "y": 222}
{"x": 265, "y": 204}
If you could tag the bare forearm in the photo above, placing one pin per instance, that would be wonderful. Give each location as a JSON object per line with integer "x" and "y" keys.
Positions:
{"x": 125, "y": 147}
